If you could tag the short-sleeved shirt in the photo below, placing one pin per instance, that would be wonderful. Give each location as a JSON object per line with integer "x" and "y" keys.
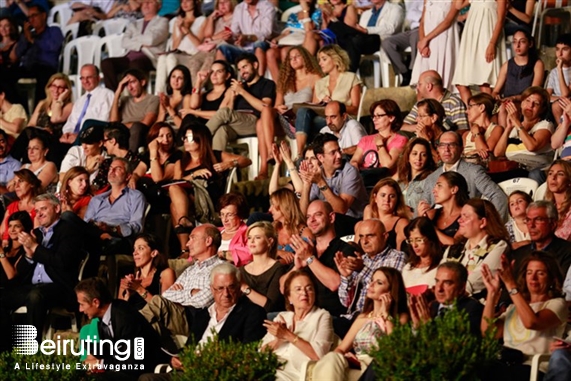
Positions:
{"x": 132, "y": 111}
{"x": 263, "y": 88}
{"x": 349, "y": 135}
{"x": 345, "y": 180}
{"x": 453, "y": 107}
{"x": 517, "y": 151}
{"x": 370, "y": 152}
{"x": 7, "y": 168}
{"x": 553, "y": 80}
{"x": 342, "y": 91}
{"x": 16, "y": 112}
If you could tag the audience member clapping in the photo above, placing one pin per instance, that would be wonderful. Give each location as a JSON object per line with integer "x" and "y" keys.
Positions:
{"x": 559, "y": 192}
{"x": 481, "y": 139}
{"x": 75, "y": 193}
{"x": 387, "y": 204}
{"x": 261, "y": 277}
{"x": 538, "y": 312}
{"x": 527, "y": 136}
{"x": 283, "y": 155}
{"x": 451, "y": 192}
{"x": 234, "y": 246}
{"x": 378, "y": 154}
{"x": 385, "y": 305}
{"x": 152, "y": 274}
{"x": 424, "y": 253}
{"x": 487, "y": 240}
{"x": 414, "y": 165}
{"x": 288, "y": 221}
{"x": 13, "y": 251}
{"x": 524, "y": 70}
{"x": 304, "y": 332}
{"x": 516, "y": 225}
{"x": 177, "y": 97}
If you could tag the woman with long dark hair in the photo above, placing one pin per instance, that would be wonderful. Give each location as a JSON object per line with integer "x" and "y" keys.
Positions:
{"x": 177, "y": 97}
{"x": 424, "y": 253}
{"x": 75, "y": 193}
{"x": 559, "y": 192}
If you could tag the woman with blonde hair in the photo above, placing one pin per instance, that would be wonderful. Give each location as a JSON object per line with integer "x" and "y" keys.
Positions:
{"x": 559, "y": 192}
{"x": 337, "y": 85}
{"x": 387, "y": 204}
{"x": 52, "y": 112}
{"x": 288, "y": 220}
{"x": 261, "y": 277}
{"x": 75, "y": 192}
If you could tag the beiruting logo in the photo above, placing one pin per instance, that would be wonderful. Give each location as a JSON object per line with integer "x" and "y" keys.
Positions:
{"x": 25, "y": 343}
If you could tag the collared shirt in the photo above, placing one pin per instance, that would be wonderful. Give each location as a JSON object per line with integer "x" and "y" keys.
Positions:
{"x": 346, "y": 180}
{"x": 40, "y": 275}
{"x": 214, "y": 323}
{"x": 106, "y": 319}
{"x": 263, "y": 25}
{"x": 46, "y": 47}
{"x": 453, "y": 168}
{"x": 388, "y": 22}
{"x": 375, "y": 12}
{"x": 195, "y": 277}
{"x": 413, "y": 12}
{"x": 387, "y": 258}
{"x": 76, "y": 157}
{"x": 349, "y": 135}
{"x": 453, "y": 107}
{"x": 7, "y": 168}
{"x": 99, "y": 108}
{"x": 127, "y": 211}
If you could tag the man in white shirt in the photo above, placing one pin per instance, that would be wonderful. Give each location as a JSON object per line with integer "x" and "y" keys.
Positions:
{"x": 377, "y": 23}
{"x": 395, "y": 45}
{"x": 347, "y": 130}
{"x": 94, "y": 104}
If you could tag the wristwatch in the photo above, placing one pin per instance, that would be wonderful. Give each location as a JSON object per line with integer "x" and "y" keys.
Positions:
{"x": 513, "y": 291}
{"x": 2, "y": 255}
{"x": 323, "y": 188}
{"x": 247, "y": 291}
{"x": 310, "y": 260}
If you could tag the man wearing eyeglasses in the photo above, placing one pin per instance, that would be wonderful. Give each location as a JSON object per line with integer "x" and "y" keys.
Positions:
{"x": 94, "y": 104}
{"x": 541, "y": 220}
{"x": 38, "y": 49}
{"x": 479, "y": 183}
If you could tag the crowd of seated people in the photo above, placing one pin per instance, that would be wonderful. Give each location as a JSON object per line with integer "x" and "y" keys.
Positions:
{"x": 367, "y": 231}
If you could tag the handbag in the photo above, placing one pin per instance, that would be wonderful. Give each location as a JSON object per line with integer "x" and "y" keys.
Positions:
{"x": 511, "y": 356}
{"x": 502, "y": 165}
{"x": 318, "y": 108}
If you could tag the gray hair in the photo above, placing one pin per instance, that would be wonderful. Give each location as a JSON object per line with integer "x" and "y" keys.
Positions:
{"x": 458, "y": 268}
{"x": 50, "y": 197}
{"x": 549, "y": 207}
{"x": 226, "y": 268}
{"x": 128, "y": 165}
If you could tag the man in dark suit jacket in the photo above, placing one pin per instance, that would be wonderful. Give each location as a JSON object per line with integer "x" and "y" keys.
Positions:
{"x": 242, "y": 319}
{"x": 117, "y": 321}
{"x": 49, "y": 270}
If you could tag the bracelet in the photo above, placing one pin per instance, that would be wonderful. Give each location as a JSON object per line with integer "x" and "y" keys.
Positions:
{"x": 235, "y": 163}
{"x": 305, "y": 20}
{"x": 294, "y": 169}
{"x": 295, "y": 340}
{"x": 144, "y": 294}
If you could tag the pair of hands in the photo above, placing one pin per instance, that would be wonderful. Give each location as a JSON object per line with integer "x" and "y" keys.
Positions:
{"x": 503, "y": 274}
{"x": 277, "y": 328}
{"x": 130, "y": 283}
{"x": 29, "y": 242}
{"x": 513, "y": 114}
{"x": 348, "y": 265}
{"x": 282, "y": 153}
{"x": 423, "y": 47}
{"x": 310, "y": 174}
{"x": 565, "y": 104}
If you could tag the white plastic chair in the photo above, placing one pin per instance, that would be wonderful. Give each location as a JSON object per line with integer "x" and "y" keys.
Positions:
{"x": 253, "y": 154}
{"x": 382, "y": 68}
{"x": 60, "y": 15}
{"x": 110, "y": 26}
{"x": 540, "y": 192}
{"x": 72, "y": 29}
{"x": 536, "y": 360}
{"x": 85, "y": 48}
{"x": 524, "y": 184}
{"x": 110, "y": 44}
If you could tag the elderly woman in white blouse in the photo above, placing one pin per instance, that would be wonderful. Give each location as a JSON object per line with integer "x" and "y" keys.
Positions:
{"x": 304, "y": 332}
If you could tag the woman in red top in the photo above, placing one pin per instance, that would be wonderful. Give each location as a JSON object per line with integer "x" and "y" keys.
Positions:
{"x": 75, "y": 192}
{"x": 27, "y": 186}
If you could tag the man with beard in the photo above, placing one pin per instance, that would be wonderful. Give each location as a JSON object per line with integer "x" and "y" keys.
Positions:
{"x": 138, "y": 111}
{"x": 335, "y": 181}
{"x": 252, "y": 112}
{"x": 347, "y": 130}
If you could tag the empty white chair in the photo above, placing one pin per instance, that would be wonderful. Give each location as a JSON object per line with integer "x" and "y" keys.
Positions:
{"x": 85, "y": 50}
{"x": 60, "y": 15}
{"x": 110, "y": 26}
{"x": 524, "y": 184}
{"x": 111, "y": 45}
{"x": 540, "y": 192}
{"x": 253, "y": 154}
{"x": 70, "y": 31}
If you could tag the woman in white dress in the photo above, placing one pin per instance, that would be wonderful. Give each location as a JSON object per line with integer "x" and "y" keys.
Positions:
{"x": 438, "y": 40}
{"x": 482, "y": 48}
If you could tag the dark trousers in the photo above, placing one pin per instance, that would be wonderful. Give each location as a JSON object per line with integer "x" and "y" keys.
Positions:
{"x": 357, "y": 45}
{"x": 113, "y": 68}
{"x": 138, "y": 136}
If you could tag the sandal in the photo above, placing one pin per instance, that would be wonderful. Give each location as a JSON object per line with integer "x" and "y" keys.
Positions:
{"x": 183, "y": 229}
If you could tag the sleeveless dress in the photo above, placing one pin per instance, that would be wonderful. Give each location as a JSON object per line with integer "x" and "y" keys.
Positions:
{"x": 443, "y": 47}
{"x": 471, "y": 66}
{"x": 392, "y": 235}
{"x": 367, "y": 336}
{"x": 45, "y": 122}
{"x": 451, "y": 229}
{"x": 137, "y": 301}
{"x": 516, "y": 82}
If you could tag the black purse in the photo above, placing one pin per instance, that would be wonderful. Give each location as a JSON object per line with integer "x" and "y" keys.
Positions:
{"x": 511, "y": 356}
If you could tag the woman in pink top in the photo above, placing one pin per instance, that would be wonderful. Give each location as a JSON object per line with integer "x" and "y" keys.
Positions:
{"x": 381, "y": 151}
{"x": 234, "y": 247}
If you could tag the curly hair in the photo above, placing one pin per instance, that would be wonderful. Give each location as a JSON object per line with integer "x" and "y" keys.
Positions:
{"x": 286, "y": 80}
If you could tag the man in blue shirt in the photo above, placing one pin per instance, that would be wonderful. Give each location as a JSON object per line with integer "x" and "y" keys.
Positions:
{"x": 8, "y": 165}
{"x": 38, "y": 49}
